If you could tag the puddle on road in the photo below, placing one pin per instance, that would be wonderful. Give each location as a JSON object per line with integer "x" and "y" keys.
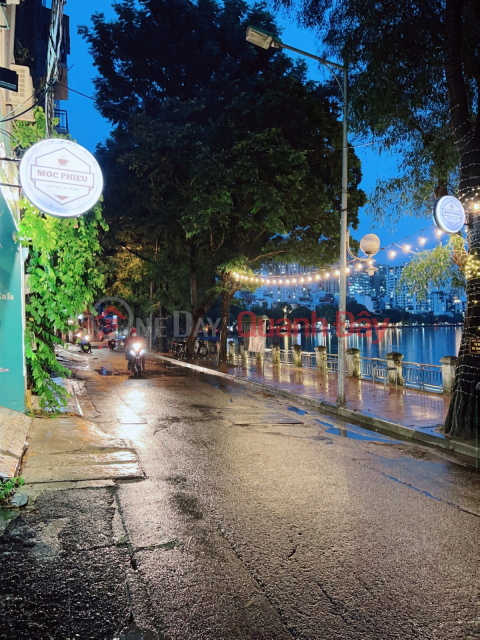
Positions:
{"x": 300, "y": 412}
{"x": 356, "y": 435}
{"x": 106, "y": 372}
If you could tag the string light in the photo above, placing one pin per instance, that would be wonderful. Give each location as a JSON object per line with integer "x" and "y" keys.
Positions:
{"x": 472, "y": 267}
{"x": 359, "y": 265}
{"x": 476, "y": 206}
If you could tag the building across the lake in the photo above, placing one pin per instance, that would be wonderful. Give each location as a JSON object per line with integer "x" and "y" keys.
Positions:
{"x": 379, "y": 292}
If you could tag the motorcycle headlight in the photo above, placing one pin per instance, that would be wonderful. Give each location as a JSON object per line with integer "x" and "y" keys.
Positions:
{"x": 142, "y": 352}
{"x": 137, "y": 346}
{"x": 87, "y": 337}
{"x": 132, "y": 352}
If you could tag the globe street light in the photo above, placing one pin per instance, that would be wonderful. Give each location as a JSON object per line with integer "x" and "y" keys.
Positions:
{"x": 265, "y": 40}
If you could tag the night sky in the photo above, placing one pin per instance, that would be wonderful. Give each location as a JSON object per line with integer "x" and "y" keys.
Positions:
{"x": 89, "y": 128}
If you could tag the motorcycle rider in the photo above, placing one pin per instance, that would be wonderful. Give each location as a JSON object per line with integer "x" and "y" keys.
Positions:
{"x": 134, "y": 339}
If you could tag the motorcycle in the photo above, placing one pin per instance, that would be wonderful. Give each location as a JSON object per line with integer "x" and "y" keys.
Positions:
{"x": 201, "y": 347}
{"x": 85, "y": 346}
{"x": 178, "y": 348}
{"x": 112, "y": 343}
{"x": 136, "y": 360}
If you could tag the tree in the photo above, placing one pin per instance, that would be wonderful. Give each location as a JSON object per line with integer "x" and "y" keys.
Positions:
{"x": 232, "y": 152}
{"x": 415, "y": 87}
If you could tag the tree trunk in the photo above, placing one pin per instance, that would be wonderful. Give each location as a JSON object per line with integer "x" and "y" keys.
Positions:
{"x": 192, "y": 336}
{"x": 462, "y": 415}
{"x": 225, "y": 315}
{"x": 162, "y": 337}
{"x": 462, "y": 419}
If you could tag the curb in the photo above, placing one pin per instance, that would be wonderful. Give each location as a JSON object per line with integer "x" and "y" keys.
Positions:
{"x": 372, "y": 423}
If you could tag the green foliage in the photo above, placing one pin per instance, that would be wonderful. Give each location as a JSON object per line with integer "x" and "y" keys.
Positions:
{"x": 26, "y": 133}
{"x": 63, "y": 276}
{"x": 63, "y": 279}
{"x": 9, "y": 486}
{"x": 414, "y": 82}
{"x": 433, "y": 269}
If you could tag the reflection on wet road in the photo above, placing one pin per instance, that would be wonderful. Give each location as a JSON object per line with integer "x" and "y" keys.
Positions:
{"x": 261, "y": 520}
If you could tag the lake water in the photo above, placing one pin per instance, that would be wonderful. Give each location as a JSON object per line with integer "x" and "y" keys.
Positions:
{"x": 418, "y": 344}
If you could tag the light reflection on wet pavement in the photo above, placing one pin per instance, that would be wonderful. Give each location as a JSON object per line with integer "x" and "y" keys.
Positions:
{"x": 280, "y": 535}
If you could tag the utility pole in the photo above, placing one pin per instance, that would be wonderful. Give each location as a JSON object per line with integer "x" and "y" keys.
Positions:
{"x": 342, "y": 303}
{"x": 265, "y": 40}
{"x": 53, "y": 56}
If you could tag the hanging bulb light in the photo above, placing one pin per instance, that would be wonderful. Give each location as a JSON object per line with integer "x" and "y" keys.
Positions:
{"x": 327, "y": 275}
{"x": 422, "y": 241}
{"x": 407, "y": 247}
{"x": 392, "y": 254}
{"x": 359, "y": 266}
{"x": 439, "y": 233}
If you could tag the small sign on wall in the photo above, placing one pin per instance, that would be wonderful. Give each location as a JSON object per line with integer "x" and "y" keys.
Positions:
{"x": 475, "y": 346}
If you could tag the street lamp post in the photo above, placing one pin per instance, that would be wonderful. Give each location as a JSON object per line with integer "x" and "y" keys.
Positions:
{"x": 265, "y": 40}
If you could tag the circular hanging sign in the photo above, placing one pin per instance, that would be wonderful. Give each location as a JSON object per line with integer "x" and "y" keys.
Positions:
{"x": 449, "y": 214}
{"x": 61, "y": 178}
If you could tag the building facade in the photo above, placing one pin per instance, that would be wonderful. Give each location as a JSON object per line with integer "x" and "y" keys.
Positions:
{"x": 24, "y": 37}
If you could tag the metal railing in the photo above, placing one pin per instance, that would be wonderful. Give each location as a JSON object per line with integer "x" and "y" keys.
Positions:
{"x": 332, "y": 363}
{"x": 309, "y": 360}
{"x": 371, "y": 368}
{"x": 427, "y": 377}
{"x": 422, "y": 376}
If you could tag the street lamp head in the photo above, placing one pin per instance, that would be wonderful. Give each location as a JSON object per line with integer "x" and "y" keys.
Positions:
{"x": 261, "y": 38}
{"x": 370, "y": 244}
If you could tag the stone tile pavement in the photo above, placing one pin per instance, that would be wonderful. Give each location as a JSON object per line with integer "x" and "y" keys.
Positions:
{"x": 14, "y": 429}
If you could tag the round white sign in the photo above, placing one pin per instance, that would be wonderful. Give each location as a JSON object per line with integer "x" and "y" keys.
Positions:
{"x": 449, "y": 214}
{"x": 61, "y": 178}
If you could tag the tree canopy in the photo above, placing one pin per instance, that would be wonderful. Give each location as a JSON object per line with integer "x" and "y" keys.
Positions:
{"x": 225, "y": 154}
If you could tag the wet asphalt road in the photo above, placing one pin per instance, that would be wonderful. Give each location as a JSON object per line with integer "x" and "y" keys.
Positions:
{"x": 256, "y": 521}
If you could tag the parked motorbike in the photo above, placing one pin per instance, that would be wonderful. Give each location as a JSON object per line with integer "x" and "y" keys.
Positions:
{"x": 178, "y": 347}
{"x": 136, "y": 360}
{"x": 201, "y": 347}
{"x": 85, "y": 346}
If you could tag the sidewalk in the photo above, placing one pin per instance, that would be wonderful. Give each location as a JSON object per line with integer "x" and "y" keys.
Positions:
{"x": 406, "y": 412}
{"x": 14, "y": 429}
